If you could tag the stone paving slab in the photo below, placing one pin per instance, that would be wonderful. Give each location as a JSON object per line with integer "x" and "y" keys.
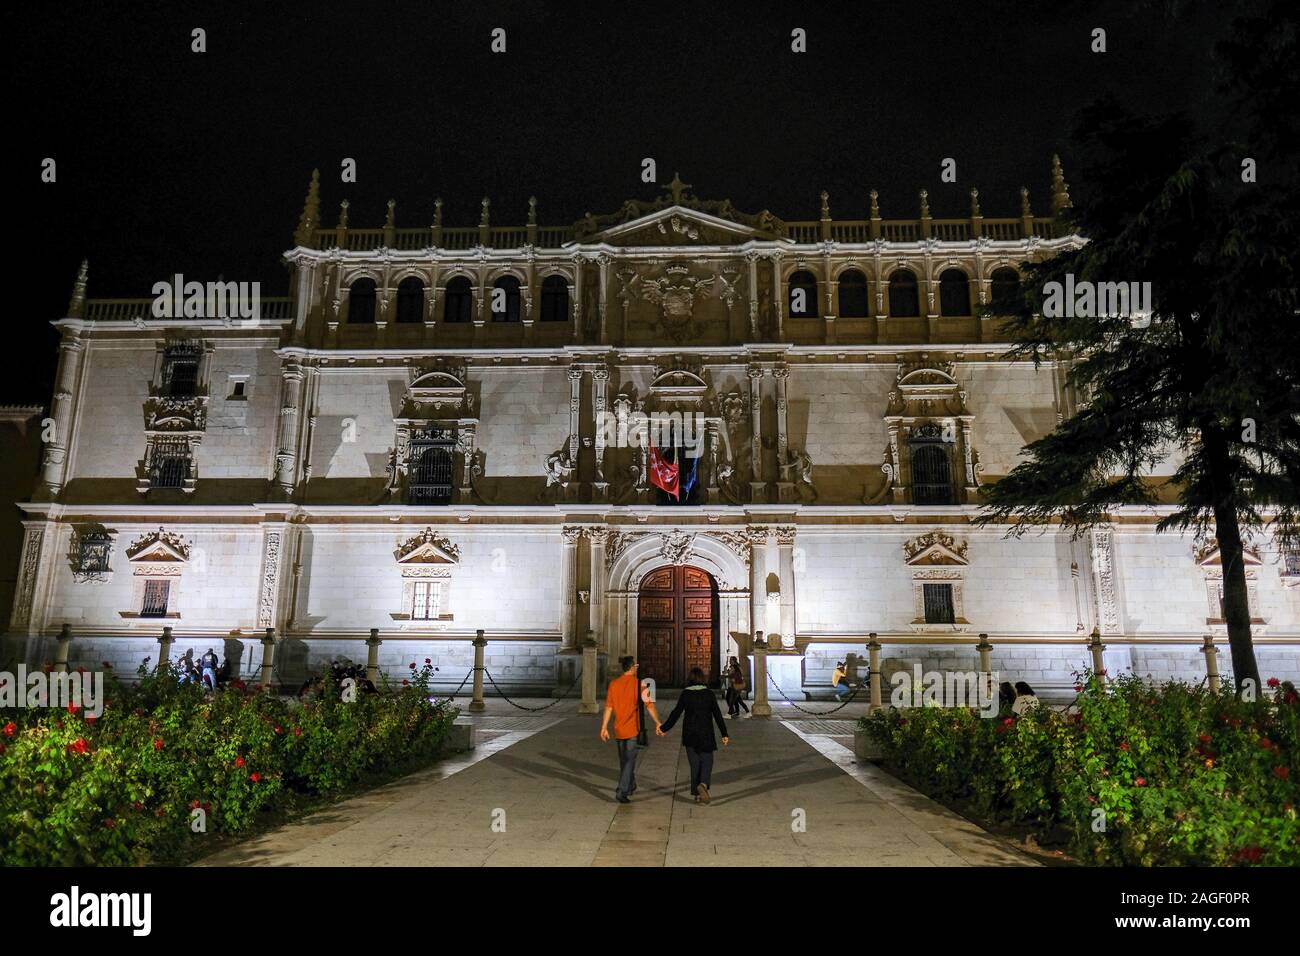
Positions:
{"x": 782, "y": 796}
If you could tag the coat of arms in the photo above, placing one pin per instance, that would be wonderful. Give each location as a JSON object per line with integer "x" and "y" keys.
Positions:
{"x": 675, "y": 294}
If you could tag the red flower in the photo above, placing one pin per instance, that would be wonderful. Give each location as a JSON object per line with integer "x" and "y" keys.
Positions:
{"x": 194, "y": 804}
{"x": 78, "y": 746}
{"x": 412, "y": 665}
{"x": 406, "y": 683}
{"x": 1091, "y": 798}
{"x": 3, "y": 748}
{"x": 297, "y": 731}
{"x": 239, "y": 761}
{"x": 110, "y": 823}
{"x": 90, "y": 719}
{"x": 1265, "y": 743}
{"x": 157, "y": 743}
{"x": 1281, "y": 772}
{"x": 1250, "y": 854}
{"x": 10, "y": 729}
{"x": 138, "y": 805}
{"x": 279, "y": 729}
{"x": 1008, "y": 721}
{"x": 1274, "y": 682}
{"x": 428, "y": 660}
{"x": 255, "y": 777}
{"x": 1140, "y": 782}
{"x": 1204, "y": 738}
{"x": 73, "y": 708}
{"x": 1124, "y": 746}
{"x": 1078, "y": 688}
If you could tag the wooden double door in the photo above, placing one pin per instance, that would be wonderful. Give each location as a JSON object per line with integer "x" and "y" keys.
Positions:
{"x": 677, "y": 625}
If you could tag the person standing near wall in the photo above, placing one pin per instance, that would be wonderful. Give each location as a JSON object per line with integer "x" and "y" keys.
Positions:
{"x": 701, "y": 709}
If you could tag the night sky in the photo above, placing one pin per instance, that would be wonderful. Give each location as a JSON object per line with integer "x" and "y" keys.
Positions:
{"x": 171, "y": 161}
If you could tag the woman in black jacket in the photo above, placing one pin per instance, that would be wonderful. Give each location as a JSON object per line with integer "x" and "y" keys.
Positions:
{"x": 701, "y": 709}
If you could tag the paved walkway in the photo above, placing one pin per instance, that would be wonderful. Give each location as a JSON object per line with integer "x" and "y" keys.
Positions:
{"x": 538, "y": 790}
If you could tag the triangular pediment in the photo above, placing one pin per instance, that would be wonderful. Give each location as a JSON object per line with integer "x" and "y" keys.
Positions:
{"x": 1208, "y": 556}
{"x": 427, "y": 549}
{"x": 159, "y": 547}
{"x": 936, "y": 548}
{"x": 678, "y": 226}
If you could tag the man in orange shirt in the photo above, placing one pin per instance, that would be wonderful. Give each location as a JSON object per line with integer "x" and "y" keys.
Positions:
{"x": 622, "y": 702}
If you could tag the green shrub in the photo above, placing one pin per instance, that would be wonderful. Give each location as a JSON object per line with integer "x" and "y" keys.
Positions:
{"x": 123, "y": 789}
{"x": 1132, "y": 774}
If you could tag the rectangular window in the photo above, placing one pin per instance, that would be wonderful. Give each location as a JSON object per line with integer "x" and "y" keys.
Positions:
{"x": 180, "y": 372}
{"x": 155, "y": 598}
{"x": 428, "y": 600}
{"x": 938, "y": 604}
{"x": 429, "y": 467}
{"x": 171, "y": 465}
{"x": 1291, "y": 559}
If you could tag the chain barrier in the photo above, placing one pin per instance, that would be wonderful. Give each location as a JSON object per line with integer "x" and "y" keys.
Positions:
{"x": 488, "y": 675}
{"x": 817, "y": 713}
{"x": 468, "y": 675}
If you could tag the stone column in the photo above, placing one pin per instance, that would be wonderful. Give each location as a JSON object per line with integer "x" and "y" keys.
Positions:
{"x": 286, "y": 458}
{"x": 986, "y": 663}
{"x": 54, "y": 466}
{"x": 575, "y": 405}
{"x": 596, "y": 537}
{"x": 761, "y": 707}
{"x": 1098, "y": 650}
{"x": 372, "y": 656}
{"x": 785, "y": 571}
{"x": 751, "y": 259}
{"x": 568, "y": 586}
{"x": 784, "y": 488}
{"x": 778, "y": 297}
{"x": 26, "y": 618}
{"x": 268, "y": 658}
{"x": 588, "y": 704}
{"x": 164, "y": 648}
{"x": 61, "y": 651}
{"x": 873, "y": 660}
{"x": 757, "y": 486}
{"x": 604, "y": 261}
{"x": 599, "y": 383}
{"x": 478, "y": 705}
{"x": 757, "y": 577}
{"x": 1211, "y": 663}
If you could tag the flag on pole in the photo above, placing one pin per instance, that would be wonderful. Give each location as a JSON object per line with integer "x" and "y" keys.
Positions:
{"x": 664, "y": 474}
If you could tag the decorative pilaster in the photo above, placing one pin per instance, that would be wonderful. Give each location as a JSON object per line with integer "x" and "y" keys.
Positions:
{"x": 751, "y": 260}
{"x": 599, "y": 395}
{"x": 757, "y": 575}
{"x": 20, "y": 620}
{"x": 575, "y": 405}
{"x": 785, "y": 489}
{"x": 568, "y": 586}
{"x": 269, "y": 584}
{"x": 604, "y": 261}
{"x": 54, "y": 466}
{"x": 597, "y": 535}
{"x": 1103, "y": 570}
{"x": 785, "y": 573}
{"x": 286, "y": 459}
{"x": 758, "y": 487}
{"x": 778, "y": 297}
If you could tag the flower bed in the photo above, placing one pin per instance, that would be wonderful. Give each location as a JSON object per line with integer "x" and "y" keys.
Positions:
{"x": 166, "y": 759}
{"x": 1132, "y": 775}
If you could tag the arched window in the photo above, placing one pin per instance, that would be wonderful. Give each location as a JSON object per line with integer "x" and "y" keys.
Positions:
{"x": 904, "y": 302}
{"x": 555, "y": 299}
{"x": 931, "y": 475}
{"x": 954, "y": 293}
{"x": 458, "y": 303}
{"x": 1004, "y": 290}
{"x": 803, "y": 295}
{"x": 854, "y": 303}
{"x": 361, "y": 302}
{"x": 410, "y": 300}
{"x": 504, "y": 301}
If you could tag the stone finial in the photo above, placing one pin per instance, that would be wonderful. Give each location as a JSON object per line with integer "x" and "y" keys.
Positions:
{"x": 1060, "y": 190}
{"x": 390, "y": 221}
{"x": 1025, "y": 211}
{"x": 974, "y": 203}
{"x": 437, "y": 213}
{"x": 875, "y": 204}
{"x": 77, "y": 303}
{"x": 826, "y": 204}
{"x": 483, "y": 219}
{"x": 925, "y": 204}
{"x": 532, "y": 210}
{"x": 343, "y": 214}
{"x": 309, "y": 221}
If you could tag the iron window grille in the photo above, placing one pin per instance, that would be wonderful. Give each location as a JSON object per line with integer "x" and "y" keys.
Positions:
{"x": 938, "y": 604}
{"x": 156, "y": 593}
{"x": 429, "y": 467}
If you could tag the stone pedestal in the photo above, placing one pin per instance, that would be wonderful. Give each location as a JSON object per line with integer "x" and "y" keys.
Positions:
{"x": 1211, "y": 663}
{"x": 478, "y": 705}
{"x": 61, "y": 651}
{"x": 588, "y": 704}
{"x": 372, "y": 656}
{"x": 268, "y": 658}
{"x": 1098, "y": 650}
{"x": 873, "y": 658}
{"x": 761, "y": 707}
{"x": 164, "y": 648}
{"x": 986, "y": 668}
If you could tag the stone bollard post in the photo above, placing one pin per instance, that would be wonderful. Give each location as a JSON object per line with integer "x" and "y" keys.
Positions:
{"x": 164, "y": 648}
{"x": 268, "y": 658}
{"x": 61, "y": 652}
{"x": 588, "y": 705}
{"x": 1098, "y": 650}
{"x": 1211, "y": 663}
{"x": 478, "y": 705}
{"x": 761, "y": 707}
{"x": 986, "y": 664}
{"x": 873, "y": 658}
{"x": 372, "y": 656}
